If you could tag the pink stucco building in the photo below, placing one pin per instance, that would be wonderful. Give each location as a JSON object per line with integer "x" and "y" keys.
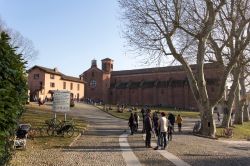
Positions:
{"x": 44, "y": 81}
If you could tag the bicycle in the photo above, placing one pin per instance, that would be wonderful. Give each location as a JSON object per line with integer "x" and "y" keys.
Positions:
{"x": 52, "y": 123}
{"x": 63, "y": 128}
{"x": 227, "y": 132}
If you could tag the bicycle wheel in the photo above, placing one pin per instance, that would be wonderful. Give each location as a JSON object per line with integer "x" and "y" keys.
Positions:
{"x": 228, "y": 132}
{"x": 53, "y": 123}
{"x": 32, "y": 133}
{"x": 42, "y": 131}
{"x": 70, "y": 132}
{"x": 76, "y": 131}
{"x": 51, "y": 132}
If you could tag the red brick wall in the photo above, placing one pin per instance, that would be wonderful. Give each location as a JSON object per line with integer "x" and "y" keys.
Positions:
{"x": 174, "y": 95}
{"x": 95, "y": 93}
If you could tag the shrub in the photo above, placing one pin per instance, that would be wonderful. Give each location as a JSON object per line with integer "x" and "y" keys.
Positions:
{"x": 13, "y": 94}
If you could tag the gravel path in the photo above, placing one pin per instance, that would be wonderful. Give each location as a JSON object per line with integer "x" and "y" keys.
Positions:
{"x": 199, "y": 151}
{"x": 96, "y": 150}
{"x": 100, "y": 146}
{"x": 147, "y": 156}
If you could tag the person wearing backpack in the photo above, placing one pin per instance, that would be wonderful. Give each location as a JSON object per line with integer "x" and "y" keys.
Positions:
{"x": 170, "y": 131}
{"x": 131, "y": 123}
{"x": 171, "y": 119}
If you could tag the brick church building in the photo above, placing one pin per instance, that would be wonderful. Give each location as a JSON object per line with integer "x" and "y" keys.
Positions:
{"x": 165, "y": 86}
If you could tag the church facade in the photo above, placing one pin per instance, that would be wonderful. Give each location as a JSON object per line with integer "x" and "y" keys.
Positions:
{"x": 161, "y": 86}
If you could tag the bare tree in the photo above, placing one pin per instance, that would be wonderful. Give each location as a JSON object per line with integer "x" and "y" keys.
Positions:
{"x": 24, "y": 45}
{"x": 236, "y": 98}
{"x": 245, "y": 78}
{"x": 188, "y": 30}
{"x": 241, "y": 106}
{"x": 229, "y": 41}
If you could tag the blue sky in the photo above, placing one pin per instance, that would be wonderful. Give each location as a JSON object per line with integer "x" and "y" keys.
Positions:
{"x": 69, "y": 34}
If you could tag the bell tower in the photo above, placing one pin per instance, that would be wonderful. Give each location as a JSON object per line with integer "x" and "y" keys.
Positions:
{"x": 93, "y": 63}
{"x": 107, "y": 65}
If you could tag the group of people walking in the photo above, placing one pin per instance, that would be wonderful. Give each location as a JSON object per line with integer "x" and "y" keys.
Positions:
{"x": 133, "y": 122}
{"x": 161, "y": 126}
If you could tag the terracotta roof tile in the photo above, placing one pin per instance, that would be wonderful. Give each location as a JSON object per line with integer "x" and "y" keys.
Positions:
{"x": 107, "y": 59}
{"x": 52, "y": 71}
{"x": 47, "y": 70}
{"x": 69, "y": 78}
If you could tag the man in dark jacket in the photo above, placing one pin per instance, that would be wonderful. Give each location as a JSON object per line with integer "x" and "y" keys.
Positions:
{"x": 143, "y": 113}
{"x": 148, "y": 128}
{"x": 171, "y": 119}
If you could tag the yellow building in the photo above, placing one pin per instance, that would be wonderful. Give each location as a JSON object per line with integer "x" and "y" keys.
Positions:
{"x": 44, "y": 81}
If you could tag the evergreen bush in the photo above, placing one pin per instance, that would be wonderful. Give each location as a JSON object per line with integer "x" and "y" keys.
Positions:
{"x": 13, "y": 94}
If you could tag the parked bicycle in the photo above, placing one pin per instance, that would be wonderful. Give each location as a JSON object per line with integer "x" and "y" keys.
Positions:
{"x": 61, "y": 128}
{"x": 227, "y": 132}
{"x": 197, "y": 127}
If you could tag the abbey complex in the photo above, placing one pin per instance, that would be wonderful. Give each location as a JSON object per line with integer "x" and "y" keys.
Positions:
{"x": 161, "y": 86}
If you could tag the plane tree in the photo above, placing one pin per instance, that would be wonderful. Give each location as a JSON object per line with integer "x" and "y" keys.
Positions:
{"x": 241, "y": 107}
{"x": 188, "y": 31}
{"x": 229, "y": 42}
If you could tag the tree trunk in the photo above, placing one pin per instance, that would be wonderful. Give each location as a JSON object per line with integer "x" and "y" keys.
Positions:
{"x": 246, "y": 114}
{"x": 244, "y": 97}
{"x": 226, "y": 120}
{"x": 208, "y": 127}
{"x": 238, "y": 118}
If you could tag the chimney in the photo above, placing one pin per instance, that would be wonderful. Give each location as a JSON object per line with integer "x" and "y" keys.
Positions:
{"x": 55, "y": 69}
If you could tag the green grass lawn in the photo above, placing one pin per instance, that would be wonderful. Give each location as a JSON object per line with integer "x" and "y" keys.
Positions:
{"x": 240, "y": 132}
{"x": 183, "y": 113}
{"x": 35, "y": 106}
{"x": 37, "y": 119}
{"x": 125, "y": 114}
{"x": 36, "y": 116}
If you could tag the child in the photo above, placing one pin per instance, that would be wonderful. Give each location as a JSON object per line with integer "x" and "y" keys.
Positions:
{"x": 179, "y": 122}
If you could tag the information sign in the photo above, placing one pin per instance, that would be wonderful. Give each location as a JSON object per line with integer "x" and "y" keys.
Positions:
{"x": 61, "y": 101}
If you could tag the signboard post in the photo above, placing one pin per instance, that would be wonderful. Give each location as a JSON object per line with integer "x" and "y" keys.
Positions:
{"x": 61, "y": 102}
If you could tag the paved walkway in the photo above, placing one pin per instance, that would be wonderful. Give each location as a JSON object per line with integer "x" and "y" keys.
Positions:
{"x": 106, "y": 143}
{"x": 127, "y": 152}
{"x": 169, "y": 156}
